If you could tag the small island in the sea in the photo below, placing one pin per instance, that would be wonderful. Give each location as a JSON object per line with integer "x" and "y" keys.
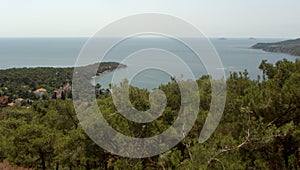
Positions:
{"x": 222, "y": 38}
{"x": 291, "y": 47}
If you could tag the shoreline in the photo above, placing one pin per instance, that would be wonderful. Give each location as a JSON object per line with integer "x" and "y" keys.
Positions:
{"x": 290, "y": 47}
{"x": 108, "y": 71}
{"x": 65, "y": 67}
{"x": 276, "y": 51}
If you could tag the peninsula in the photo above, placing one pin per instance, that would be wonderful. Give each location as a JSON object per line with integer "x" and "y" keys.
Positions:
{"x": 20, "y": 84}
{"x": 291, "y": 47}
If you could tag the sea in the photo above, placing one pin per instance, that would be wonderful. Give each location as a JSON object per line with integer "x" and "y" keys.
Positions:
{"x": 235, "y": 55}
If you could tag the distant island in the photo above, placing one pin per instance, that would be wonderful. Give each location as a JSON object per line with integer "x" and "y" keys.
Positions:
{"x": 291, "y": 47}
{"x": 222, "y": 38}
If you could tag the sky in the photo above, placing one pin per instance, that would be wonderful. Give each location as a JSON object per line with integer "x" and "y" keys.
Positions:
{"x": 215, "y": 18}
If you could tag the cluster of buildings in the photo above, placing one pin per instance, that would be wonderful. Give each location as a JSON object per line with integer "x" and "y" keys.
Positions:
{"x": 61, "y": 93}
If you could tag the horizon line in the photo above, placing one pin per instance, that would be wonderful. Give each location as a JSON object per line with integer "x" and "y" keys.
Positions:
{"x": 213, "y": 37}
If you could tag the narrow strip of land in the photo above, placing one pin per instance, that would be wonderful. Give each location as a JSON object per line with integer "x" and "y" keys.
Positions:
{"x": 291, "y": 47}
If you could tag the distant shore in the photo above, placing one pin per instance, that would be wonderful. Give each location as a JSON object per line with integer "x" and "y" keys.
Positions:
{"x": 291, "y": 47}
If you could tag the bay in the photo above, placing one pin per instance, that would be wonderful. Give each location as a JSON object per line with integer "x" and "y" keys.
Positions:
{"x": 234, "y": 53}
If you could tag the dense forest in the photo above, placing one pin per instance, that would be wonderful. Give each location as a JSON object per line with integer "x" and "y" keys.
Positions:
{"x": 22, "y": 82}
{"x": 259, "y": 129}
{"x": 291, "y": 47}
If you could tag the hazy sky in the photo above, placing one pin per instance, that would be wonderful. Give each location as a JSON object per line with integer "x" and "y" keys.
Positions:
{"x": 215, "y": 18}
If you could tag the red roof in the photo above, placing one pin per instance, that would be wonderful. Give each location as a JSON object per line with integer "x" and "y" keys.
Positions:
{"x": 40, "y": 90}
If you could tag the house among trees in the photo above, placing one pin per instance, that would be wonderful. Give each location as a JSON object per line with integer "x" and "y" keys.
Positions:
{"x": 40, "y": 92}
{"x": 62, "y": 93}
{"x": 3, "y": 101}
{"x": 16, "y": 101}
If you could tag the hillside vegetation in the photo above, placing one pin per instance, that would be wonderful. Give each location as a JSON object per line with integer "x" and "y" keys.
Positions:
{"x": 22, "y": 82}
{"x": 260, "y": 128}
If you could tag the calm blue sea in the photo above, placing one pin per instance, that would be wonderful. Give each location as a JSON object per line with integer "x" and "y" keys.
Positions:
{"x": 63, "y": 52}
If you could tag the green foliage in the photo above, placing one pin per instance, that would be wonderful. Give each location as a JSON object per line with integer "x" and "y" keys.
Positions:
{"x": 259, "y": 130}
{"x": 21, "y": 82}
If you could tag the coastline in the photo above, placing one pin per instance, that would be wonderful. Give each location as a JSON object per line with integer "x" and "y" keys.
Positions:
{"x": 290, "y": 47}
{"x": 122, "y": 66}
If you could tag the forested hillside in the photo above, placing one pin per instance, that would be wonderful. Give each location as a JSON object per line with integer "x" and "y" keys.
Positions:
{"x": 259, "y": 129}
{"x": 22, "y": 82}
